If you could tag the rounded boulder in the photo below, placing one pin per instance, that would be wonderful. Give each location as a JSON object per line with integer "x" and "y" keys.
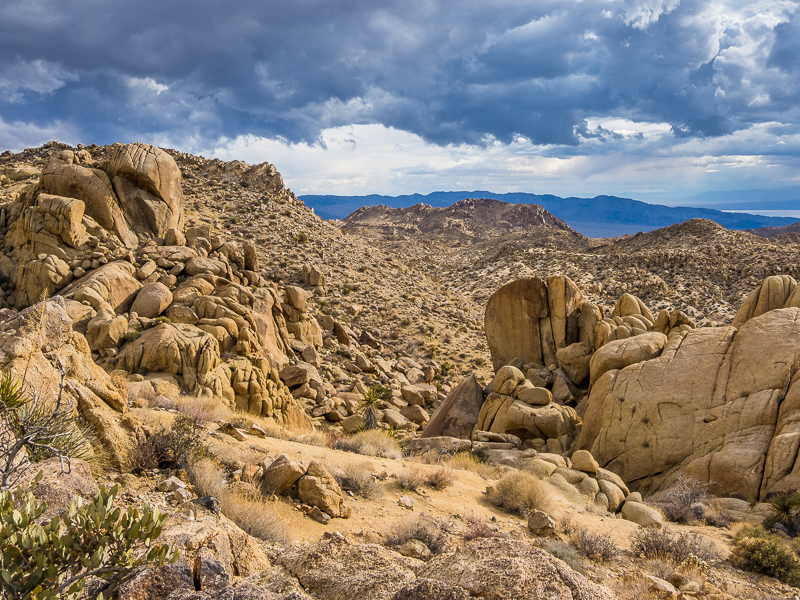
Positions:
{"x": 152, "y": 300}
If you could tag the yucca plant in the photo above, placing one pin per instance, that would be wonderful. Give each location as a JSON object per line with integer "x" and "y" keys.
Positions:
{"x": 371, "y": 408}
{"x": 786, "y": 510}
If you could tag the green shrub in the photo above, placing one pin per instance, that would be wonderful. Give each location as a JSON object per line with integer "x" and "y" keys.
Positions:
{"x": 40, "y": 429}
{"x": 766, "y": 555}
{"x": 162, "y": 319}
{"x": 371, "y": 408}
{"x": 52, "y": 560}
{"x": 132, "y": 335}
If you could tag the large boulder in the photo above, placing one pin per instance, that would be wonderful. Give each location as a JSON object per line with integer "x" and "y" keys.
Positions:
{"x": 718, "y": 405}
{"x": 531, "y": 320}
{"x": 777, "y": 291}
{"x": 621, "y": 353}
{"x": 148, "y": 183}
{"x": 152, "y": 300}
{"x": 458, "y": 414}
{"x": 38, "y": 346}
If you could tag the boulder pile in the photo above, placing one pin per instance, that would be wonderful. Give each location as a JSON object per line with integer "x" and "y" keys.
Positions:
{"x": 175, "y": 305}
{"x": 654, "y": 397}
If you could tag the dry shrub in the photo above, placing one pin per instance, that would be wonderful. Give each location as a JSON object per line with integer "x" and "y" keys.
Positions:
{"x": 757, "y": 550}
{"x": 245, "y": 507}
{"x": 568, "y": 526}
{"x": 520, "y": 492}
{"x": 411, "y": 479}
{"x": 663, "y": 544}
{"x": 467, "y": 462}
{"x": 634, "y": 588}
{"x": 358, "y": 479}
{"x": 203, "y": 409}
{"x": 688, "y": 501}
{"x": 563, "y": 551}
{"x": 424, "y": 530}
{"x": 315, "y": 438}
{"x": 370, "y": 443}
{"x": 597, "y": 546}
{"x": 441, "y": 478}
{"x": 478, "y": 527}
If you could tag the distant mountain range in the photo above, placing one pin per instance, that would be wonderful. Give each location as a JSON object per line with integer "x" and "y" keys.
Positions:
{"x": 601, "y": 216}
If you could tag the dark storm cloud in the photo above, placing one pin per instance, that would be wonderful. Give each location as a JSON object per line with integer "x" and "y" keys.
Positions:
{"x": 449, "y": 71}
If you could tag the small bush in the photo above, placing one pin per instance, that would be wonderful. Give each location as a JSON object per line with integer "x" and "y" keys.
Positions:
{"x": 766, "y": 555}
{"x": 132, "y": 335}
{"x": 680, "y": 505}
{"x": 173, "y": 448}
{"x": 440, "y": 478}
{"x": 662, "y": 544}
{"x": 520, "y": 492}
{"x": 359, "y": 480}
{"x": 567, "y": 554}
{"x": 162, "y": 320}
{"x": 469, "y": 462}
{"x": 417, "y": 528}
{"x": 370, "y": 443}
{"x": 479, "y": 528}
{"x": 596, "y": 546}
{"x": 411, "y": 479}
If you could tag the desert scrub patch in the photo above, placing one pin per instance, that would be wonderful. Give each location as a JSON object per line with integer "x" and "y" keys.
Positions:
{"x": 245, "y": 507}
{"x": 469, "y": 462}
{"x": 171, "y": 448}
{"x": 766, "y": 554}
{"x": 566, "y": 553}
{"x": 598, "y": 547}
{"x": 425, "y": 530}
{"x": 358, "y": 478}
{"x": 374, "y": 442}
{"x": 663, "y": 544}
{"x": 411, "y": 479}
{"x": 440, "y": 478}
{"x": 520, "y": 492}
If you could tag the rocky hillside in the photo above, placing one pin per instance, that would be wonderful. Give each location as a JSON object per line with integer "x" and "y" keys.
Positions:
{"x": 374, "y": 408}
{"x": 471, "y": 219}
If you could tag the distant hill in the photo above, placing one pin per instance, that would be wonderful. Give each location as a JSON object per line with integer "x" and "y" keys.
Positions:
{"x": 471, "y": 217}
{"x": 601, "y": 216}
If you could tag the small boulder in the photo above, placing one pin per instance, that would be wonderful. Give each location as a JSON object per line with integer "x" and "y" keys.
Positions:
{"x": 541, "y": 524}
{"x": 282, "y": 474}
{"x": 642, "y": 515}
{"x": 582, "y": 460}
{"x": 506, "y": 379}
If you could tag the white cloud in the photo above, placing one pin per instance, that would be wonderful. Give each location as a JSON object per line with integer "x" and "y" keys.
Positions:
{"x": 37, "y": 76}
{"x": 367, "y": 159}
{"x": 18, "y": 135}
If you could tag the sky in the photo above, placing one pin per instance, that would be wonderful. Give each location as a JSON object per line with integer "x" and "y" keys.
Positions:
{"x": 641, "y": 98}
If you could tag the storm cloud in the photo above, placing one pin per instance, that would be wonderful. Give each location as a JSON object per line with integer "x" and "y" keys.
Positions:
{"x": 550, "y": 72}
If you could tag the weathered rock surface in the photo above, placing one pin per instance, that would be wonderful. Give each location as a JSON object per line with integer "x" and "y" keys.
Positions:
{"x": 717, "y": 405}
{"x": 458, "y": 414}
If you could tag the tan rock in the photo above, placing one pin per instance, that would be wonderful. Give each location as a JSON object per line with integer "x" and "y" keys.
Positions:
{"x": 419, "y": 394}
{"x": 148, "y": 183}
{"x": 319, "y": 488}
{"x": 642, "y": 515}
{"x": 512, "y": 321}
{"x": 621, "y": 353}
{"x": 582, "y": 460}
{"x": 281, "y": 474}
{"x": 506, "y": 379}
{"x": 152, "y": 300}
{"x": 574, "y": 361}
{"x": 536, "y": 396}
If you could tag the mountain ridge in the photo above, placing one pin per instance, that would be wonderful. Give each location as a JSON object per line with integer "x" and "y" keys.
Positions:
{"x": 610, "y": 216}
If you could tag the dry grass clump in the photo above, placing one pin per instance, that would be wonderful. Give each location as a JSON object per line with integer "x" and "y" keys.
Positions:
{"x": 596, "y": 546}
{"x": 566, "y": 553}
{"x": 358, "y": 478}
{"x": 315, "y": 438}
{"x": 468, "y": 462}
{"x": 688, "y": 501}
{"x": 478, "y": 527}
{"x": 203, "y": 409}
{"x": 411, "y": 479}
{"x": 663, "y": 544}
{"x": 245, "y": 507}
{"x": 424, "y": 530}
{"x": 370, "y": 443}
{"x": 520, "y": 492}
{"x": 440, "y": 478}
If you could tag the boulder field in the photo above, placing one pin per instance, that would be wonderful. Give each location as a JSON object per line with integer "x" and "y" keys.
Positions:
{"x": 649, "y": 397}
